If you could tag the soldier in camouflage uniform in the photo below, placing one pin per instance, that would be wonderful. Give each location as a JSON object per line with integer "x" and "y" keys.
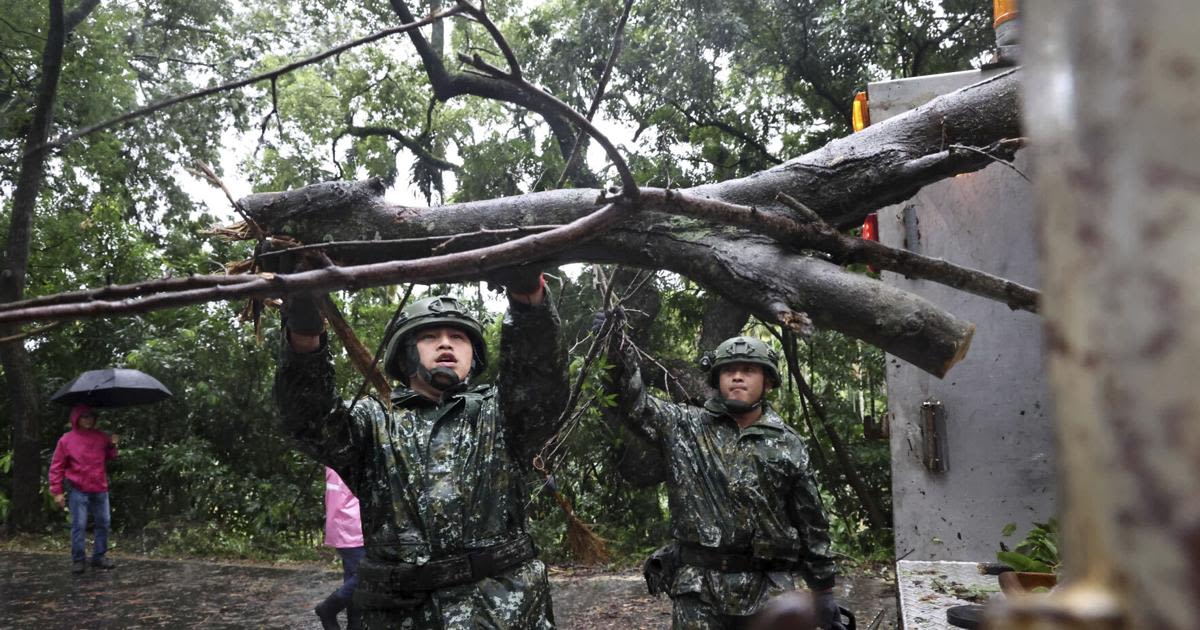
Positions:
{"x": 440, "y": 474}
{"x": 746, "y": 519}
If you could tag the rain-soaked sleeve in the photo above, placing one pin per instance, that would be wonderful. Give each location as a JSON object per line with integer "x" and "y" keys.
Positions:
{"x": 311, "y": 412}
{"x": 644, "y": 414}
{"x": 808, "y": 517}
{"x": 533, "y": 379}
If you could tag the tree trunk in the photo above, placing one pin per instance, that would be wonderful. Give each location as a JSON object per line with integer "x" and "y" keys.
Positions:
{"x": 18, "y": 373}
{"x": 1113, "y": 103}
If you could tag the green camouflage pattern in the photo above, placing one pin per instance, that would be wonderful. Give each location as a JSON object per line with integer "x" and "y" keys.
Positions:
{"x": 731, "y": 489}
{"x": 435, "y": 479}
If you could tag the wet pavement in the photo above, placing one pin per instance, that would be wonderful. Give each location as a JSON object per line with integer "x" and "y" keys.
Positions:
{"x": 37, "y": 590}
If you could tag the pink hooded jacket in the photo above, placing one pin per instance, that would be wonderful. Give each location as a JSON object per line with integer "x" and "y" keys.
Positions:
{"x": 342, "y": 525}
{"x": 80, "y": 456}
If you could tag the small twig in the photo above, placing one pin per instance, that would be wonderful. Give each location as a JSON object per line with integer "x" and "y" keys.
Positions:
{"x": 255, "y": 231}
{"x": 805, "y": 212}
{"x": 995, "y": 158}
{"x": 480, "y": 15}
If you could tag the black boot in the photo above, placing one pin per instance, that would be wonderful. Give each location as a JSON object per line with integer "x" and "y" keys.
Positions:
{"x": 327, "y": 612}
{"x": 353, "y": 618}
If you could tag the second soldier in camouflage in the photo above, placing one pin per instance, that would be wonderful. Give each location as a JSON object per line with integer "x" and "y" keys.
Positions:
{"x": 746, "y": 518}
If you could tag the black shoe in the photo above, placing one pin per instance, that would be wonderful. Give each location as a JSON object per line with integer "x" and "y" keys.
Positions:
{"x": 103, "y": 563}
{"x": 353, "y": 618}
{"x": 327, "y": 612}
{"x": 77, "y": 567}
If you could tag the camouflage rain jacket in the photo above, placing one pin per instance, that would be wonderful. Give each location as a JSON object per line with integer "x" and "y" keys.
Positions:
{"x": 436, "y": 480}
{"x": 735, "y": 491}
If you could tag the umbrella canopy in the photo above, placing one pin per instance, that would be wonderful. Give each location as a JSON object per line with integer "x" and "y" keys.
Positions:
{"x": 112, "y": 387}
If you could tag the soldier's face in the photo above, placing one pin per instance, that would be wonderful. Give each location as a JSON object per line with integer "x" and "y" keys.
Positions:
{"x": 446, "y": 347}
{"x": 742, "y": 381}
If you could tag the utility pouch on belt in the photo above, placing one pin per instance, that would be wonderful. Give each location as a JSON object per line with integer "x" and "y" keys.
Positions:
{"x": 659, "y": 569}
{"x": 401, "y": 585}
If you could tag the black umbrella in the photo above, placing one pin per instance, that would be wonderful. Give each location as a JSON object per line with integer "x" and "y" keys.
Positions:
{"x": 112, "y": 387}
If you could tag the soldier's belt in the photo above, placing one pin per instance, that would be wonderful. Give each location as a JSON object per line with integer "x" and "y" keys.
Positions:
{"x": 472, "y": 566}
{"x": 730, "y": 560}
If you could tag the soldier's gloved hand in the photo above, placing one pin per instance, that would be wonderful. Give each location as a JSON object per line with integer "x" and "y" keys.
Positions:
{"x": 829, "y": 614}
{"x": 601, "y": 317}
{"x": 521, "y": 280}
{"x": 302, "y": 315}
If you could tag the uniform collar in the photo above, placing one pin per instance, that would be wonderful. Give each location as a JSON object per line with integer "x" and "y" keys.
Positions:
{"x": 408, "y": 397}
{"x": 769, "y": 420}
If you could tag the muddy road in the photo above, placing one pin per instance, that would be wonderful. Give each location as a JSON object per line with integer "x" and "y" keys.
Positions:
{"x": 37, "y": 590}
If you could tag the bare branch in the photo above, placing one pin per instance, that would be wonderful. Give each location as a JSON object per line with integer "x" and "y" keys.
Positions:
{"x": 232, "y": 85}
{"x": 821, "y": 236}
{"x": 435, "y": 269}
{"x": 408, "y": 143}
{"x": 601, "y": 86}
{"x": 629, "y": 186}
{"x": 480, "y": 15}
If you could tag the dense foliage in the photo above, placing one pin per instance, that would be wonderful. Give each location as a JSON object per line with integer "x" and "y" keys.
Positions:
{"x": 703, "y": 90}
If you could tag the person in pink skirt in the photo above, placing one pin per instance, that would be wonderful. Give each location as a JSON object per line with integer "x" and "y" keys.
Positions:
{"x": 343, "y": 531}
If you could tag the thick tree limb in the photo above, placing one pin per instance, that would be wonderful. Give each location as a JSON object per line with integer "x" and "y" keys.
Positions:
{"x": 841, "y": 182}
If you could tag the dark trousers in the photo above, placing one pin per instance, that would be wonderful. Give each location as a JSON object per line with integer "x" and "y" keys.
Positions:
{"x": 350, "y": 556}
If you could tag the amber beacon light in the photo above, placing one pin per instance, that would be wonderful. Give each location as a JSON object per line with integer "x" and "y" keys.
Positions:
{"x": 1003, "y": 11}
{"x": 860, "y": 115}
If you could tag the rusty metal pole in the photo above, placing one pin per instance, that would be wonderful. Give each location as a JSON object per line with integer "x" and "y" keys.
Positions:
{"x": 1112, "y": 109}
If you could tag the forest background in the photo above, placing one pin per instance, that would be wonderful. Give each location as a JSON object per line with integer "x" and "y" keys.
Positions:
{"x": 702, "y": 91}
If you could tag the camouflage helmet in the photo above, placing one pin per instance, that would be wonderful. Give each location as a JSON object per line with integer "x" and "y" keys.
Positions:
{"x": 741, "y": 350}
{"x": 435, "y": 311}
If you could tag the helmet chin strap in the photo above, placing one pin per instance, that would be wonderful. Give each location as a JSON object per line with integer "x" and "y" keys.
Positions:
{"x": 740, "y": 406}
{"x": 440, "y": 378}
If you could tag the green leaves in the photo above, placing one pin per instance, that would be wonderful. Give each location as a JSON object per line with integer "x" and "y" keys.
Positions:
{"x": 1038, "y": 552}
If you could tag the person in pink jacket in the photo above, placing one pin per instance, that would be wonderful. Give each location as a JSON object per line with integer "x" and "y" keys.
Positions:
{"x": 343, "y": 531}
{"x": 79, "y": 483}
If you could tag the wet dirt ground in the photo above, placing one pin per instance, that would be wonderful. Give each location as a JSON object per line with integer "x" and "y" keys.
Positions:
{"x": 37, "y": 590}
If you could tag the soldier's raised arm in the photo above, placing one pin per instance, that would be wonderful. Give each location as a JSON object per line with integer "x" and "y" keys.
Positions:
{"x": 642, "y": 413}
{"x": 310, "y": 410}
{"x": 533, "y": 379}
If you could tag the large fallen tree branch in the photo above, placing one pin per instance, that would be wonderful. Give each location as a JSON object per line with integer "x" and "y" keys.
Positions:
{"x": 760, "y": 268}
